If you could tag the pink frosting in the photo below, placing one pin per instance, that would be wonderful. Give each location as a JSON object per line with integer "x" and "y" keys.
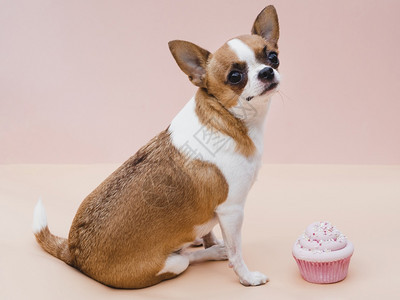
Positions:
{"x": 322, "y": 242}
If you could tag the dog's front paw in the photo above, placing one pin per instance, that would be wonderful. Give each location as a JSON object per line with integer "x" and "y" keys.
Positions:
{"x": 253, "y": 279}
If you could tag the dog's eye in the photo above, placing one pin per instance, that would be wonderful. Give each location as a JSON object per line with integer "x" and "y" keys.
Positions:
{"x": 273, "y": 58}
{"x": 235, "y": 77}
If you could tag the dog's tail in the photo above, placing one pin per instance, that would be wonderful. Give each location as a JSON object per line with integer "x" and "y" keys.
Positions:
{"x": 52, "y": 244}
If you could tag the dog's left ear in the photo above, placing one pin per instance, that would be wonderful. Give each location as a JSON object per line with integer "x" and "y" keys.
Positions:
{"x": 267, "y": 25}
{"x": 192, "y": 60}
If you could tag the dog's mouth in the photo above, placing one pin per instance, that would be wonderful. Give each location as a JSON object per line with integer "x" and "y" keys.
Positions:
{"x": 270, "y": 87}
{"x": 267, "y": 89}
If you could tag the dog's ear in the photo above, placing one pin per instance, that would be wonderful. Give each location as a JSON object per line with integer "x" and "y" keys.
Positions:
{"x": 267, "y": 25}
{"x": 192, "y": 60}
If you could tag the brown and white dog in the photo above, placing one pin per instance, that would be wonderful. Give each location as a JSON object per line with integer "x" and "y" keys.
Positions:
{"x": 132, "y": 230}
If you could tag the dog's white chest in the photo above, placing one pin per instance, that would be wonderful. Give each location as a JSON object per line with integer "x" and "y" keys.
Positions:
{"x": 197, "y": 141}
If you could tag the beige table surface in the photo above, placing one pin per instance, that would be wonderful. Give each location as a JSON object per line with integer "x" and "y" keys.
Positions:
{"x": 362, "y": 201}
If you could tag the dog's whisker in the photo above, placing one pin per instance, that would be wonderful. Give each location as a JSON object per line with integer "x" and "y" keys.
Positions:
{"x": 281, "y": 97}
{"x": 284, "y": 94}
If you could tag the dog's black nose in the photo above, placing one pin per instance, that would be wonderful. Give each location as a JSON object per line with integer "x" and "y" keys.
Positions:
{"x": 266, "y": 74}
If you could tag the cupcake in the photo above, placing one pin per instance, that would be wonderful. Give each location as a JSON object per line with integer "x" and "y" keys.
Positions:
{"x": 323, "y": 253}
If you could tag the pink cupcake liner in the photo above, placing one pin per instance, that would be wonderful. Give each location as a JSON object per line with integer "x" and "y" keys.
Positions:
{"x": 324, "y": 272}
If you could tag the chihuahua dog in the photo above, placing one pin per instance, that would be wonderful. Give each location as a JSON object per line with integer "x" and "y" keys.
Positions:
{"x": 132, "y": 230}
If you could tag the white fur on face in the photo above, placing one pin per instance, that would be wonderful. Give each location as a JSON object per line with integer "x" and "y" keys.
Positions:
{"x": 254, "y": 86}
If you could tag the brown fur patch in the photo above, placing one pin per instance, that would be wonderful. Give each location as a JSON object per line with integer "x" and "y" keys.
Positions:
{"x": 260, "y": 46}
{"x": 221, "y": 63}
{"x": 147, "y": 209}
{"x": 215, "y": 116}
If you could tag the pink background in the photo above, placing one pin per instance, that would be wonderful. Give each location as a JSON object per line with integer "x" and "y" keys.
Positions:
{"x": 92, "y": 81}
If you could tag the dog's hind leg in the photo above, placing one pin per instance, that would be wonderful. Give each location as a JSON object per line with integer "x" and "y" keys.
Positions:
{"x": 216, "y": 252}
{"x": 176, "y": 263}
